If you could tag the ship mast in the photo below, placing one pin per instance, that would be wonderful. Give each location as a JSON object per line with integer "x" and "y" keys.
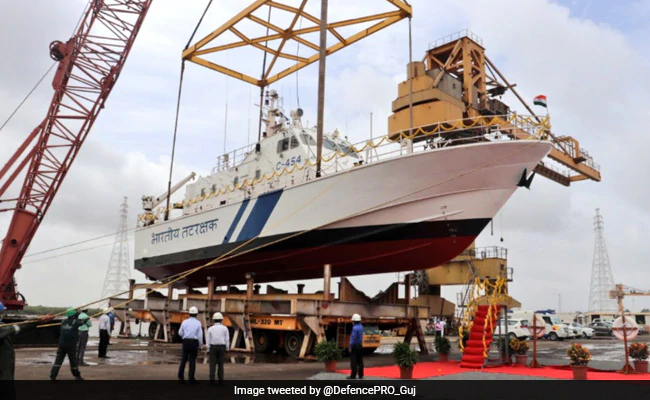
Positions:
{"x": 321, "y": 85}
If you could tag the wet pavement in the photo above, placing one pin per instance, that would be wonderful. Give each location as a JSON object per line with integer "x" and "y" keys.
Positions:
{"x": 131, "y": 359}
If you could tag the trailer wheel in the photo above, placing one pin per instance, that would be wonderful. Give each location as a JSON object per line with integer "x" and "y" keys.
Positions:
{"x": 173, "y": 332}
{"x": 293, "y": 343}
{"x": 263, "y": 341}
{"x": 152, "y": 330}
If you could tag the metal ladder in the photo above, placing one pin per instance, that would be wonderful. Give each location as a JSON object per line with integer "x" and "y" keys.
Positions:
{"x": 461, "y": 298}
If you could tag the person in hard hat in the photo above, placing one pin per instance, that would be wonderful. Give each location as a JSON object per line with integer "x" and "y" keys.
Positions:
{"x": 356, "y": 348}
{"x": 218, "y": 343}
{"x": 104, "y": 333}
{"x": 83, "y": 337}
{"x": 68, "y": 345}
{"x": 7, "y": 355}
{"x": 191, "y": 332}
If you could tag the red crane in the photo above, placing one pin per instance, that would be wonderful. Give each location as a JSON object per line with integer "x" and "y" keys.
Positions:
{"x": 89, "y": 65}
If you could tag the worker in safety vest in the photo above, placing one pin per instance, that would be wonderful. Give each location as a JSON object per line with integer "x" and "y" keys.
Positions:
{"x": 356, "y": 348}
{"x": 68, "y": 345}
{"x": 191, "y": 332}
{"x": 218, "y": 343}
{"x": 7, "y": 355}
{"x": 83, "y": 337}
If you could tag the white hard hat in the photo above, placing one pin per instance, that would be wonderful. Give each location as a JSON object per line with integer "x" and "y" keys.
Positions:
{"x": 106, "y": 310}
{"x": 217, "y": 316}
{"x": 194, "y": 310}
{"x": 356, "y": 318}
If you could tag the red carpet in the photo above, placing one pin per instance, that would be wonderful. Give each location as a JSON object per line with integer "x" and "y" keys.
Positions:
{"x": 432, "y": 369}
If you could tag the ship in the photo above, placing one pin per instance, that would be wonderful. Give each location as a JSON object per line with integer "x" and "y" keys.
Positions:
{"x": 263, "y": 210}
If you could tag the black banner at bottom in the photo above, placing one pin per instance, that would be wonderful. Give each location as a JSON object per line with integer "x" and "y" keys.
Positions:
{"x": 289, "y": 390}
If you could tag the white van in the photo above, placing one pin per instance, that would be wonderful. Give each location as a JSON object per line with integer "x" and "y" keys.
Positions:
{"x": 555, "y": 329}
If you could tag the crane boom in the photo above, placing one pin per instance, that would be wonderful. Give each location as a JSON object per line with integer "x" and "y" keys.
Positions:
{"x": 89, "y": 65}
{"x": 149, "y": 202}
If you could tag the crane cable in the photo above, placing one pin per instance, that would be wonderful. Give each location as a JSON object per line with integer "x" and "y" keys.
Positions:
{"x": 44, "y": 75}
{"x": 178, "y": 106}
{"x": 78, "y": 243}
{"x": 228, "y": 255}
{"x": 27, "y": 96}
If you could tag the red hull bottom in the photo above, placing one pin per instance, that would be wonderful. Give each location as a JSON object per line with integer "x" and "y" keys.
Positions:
{"x": 307, "y": 263}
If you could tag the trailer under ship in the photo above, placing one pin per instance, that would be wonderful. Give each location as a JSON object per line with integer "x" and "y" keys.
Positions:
{"x": 262, "y": 210}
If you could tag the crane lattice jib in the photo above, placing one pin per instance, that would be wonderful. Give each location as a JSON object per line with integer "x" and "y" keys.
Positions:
{"x": 89, "y": 65}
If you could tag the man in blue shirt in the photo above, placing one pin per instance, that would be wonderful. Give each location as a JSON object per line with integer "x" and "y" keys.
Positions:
{"x": 191, "y": 332}
{"x": 356, "y": 348}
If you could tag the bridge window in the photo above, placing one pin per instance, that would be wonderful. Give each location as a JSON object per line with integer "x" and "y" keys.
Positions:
{"x": 294, "y": 142}
{"x": 283, "y": 145}
{"x": 258, "y": 174}
{"x": 307, "y": 139}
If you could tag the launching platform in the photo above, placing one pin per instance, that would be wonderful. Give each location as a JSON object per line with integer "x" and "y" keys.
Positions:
{"x": 278, "y": 320}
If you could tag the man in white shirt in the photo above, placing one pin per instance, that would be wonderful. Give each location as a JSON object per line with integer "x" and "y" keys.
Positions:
{"x": 104, "y": 333}
{"x": 218, "y": 343}
{"x": 191, "y": 332}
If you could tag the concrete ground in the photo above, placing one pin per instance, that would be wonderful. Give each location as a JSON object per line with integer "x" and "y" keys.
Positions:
{"x": 131, "y": 360}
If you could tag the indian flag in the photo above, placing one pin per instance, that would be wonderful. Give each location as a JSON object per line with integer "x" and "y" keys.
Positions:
{"x": 540, "y": 100}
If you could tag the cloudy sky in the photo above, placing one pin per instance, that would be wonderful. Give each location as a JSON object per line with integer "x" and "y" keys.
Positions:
{"x": 588, "y": 57}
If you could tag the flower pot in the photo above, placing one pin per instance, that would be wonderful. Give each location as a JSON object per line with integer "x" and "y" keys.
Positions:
{"x": 641, "y": 367}
{"x": 406, "y": 373}
{"x": 444, "y": 357}
{"x": 330, "y": 366}
{"x": 521, "y": 359}
{"x": 579, "y": 372}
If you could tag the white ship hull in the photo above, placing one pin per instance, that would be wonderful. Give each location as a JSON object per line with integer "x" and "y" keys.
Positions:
{"x": 407, "y": 213}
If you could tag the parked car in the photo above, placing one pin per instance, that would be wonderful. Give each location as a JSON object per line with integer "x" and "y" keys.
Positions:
{"x": 602, "y": 329}
{"x": 582, "y": 331}
{"x": 556, "y": 329}
{"x": 517, "y": 328}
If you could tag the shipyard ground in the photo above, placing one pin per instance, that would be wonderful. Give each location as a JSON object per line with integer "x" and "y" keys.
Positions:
{"x": 131, "y": 360}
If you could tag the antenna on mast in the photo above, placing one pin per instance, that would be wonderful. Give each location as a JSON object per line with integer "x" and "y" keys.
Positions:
{"x": 225, "y": 122}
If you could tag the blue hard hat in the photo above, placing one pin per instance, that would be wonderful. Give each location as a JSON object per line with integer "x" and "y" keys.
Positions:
{"x": 2, "y": 307}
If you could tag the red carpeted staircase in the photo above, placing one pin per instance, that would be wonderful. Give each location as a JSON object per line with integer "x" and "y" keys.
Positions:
{"x": 474, "y": 350}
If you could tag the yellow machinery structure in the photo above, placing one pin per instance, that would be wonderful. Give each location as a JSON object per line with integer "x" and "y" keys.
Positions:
{"x": 456, "y": 85}
{"x": 486, "y": 263}
{"x": 285, "y": 31}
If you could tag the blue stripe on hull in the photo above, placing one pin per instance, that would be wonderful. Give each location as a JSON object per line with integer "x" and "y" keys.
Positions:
{"x": 235, "y": 222}
{"x": 259, "y": 215}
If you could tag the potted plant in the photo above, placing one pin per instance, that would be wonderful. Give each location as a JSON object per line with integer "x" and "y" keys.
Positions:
{"x": 639, "y": 353}
{"x": 329, "y": 353}
{"x": 580, "y": 357}
{"x": 519, "y": 348}
{"x": 406, "y": 358}
{"x": 442, "y": 347}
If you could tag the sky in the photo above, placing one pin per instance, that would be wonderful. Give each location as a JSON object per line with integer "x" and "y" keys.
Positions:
{"x": 588, "y": 57}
